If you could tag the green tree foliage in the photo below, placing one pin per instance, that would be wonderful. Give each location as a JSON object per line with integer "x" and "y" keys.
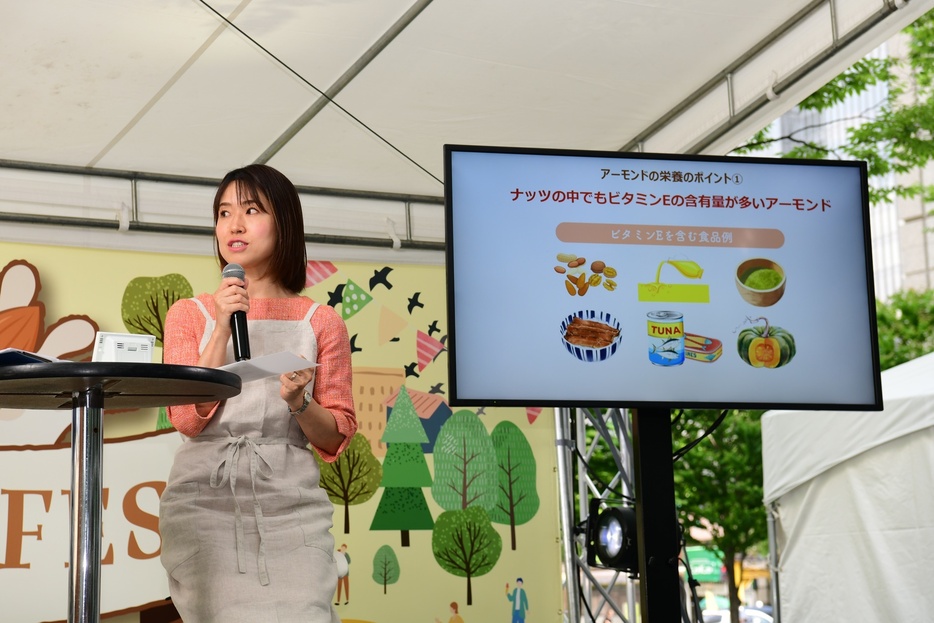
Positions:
{"x": 465, "y": 544}
{"x": 402, "y": 509}
{"x": 906, "y": 327}
{"x": 718, "y": 485}
{"x": 405, "y": 471}
{"x": 895, "y": 136}
{"x": 517, "y": 498}
{"x": 146, "y": 301}
{"x": 404, "y": 425}
{"x": 386, "y": 568}
{"x": 405, "y": 466}
{"x": 465, "y": 464}
{"x": 353, "y": 478}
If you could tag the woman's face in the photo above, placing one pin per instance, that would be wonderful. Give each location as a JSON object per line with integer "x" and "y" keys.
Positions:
{"x": 246, "y": 232}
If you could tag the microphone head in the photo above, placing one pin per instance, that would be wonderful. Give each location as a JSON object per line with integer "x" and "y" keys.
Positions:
{"x": 233, "y": 270}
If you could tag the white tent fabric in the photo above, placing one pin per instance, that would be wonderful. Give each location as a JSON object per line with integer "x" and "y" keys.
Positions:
{"x": 173, "y": 92}
{"x": 852, "y": 499}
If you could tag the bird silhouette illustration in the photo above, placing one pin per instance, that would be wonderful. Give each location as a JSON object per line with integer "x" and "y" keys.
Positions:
{"x": 379, "y": 278}
{"x": 335, "y": 297}
{"x": 414, "y": 302}
{"x": 410, "y": 370}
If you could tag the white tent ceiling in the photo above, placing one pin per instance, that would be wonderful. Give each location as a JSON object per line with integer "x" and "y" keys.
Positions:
{"x": 162, "y": 96}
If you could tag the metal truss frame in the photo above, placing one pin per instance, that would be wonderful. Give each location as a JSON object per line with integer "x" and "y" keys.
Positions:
{"x": 579, "y": 433}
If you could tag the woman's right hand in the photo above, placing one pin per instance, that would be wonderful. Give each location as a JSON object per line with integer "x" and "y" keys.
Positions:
{"x": 231, "y": 296}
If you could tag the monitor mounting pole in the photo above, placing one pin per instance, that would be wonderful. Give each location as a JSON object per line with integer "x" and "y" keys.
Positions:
{"x": 656, "y": 516}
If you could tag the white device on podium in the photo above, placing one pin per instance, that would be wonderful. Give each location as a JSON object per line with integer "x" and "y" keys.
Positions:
{"x": 131, "y": 347}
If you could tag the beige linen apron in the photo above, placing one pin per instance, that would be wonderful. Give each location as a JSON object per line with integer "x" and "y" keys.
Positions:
{"x": 245, "y": 526}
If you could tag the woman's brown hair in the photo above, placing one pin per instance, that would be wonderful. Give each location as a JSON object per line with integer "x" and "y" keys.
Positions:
{"x": 264, "y": 184}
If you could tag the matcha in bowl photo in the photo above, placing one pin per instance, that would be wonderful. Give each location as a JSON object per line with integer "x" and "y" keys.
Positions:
{"x": 760, "y": 281}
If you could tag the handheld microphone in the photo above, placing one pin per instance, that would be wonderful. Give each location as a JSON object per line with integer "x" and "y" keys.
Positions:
{"x": 241, "y": 339}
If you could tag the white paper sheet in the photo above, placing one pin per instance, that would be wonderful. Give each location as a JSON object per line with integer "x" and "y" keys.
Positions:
{"x": 268, "y": 365}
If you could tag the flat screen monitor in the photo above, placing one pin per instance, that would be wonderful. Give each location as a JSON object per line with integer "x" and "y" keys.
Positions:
{"x": 610, "y": 279}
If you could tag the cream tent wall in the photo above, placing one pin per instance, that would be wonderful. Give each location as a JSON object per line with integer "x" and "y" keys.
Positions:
{"x": 354, "y": 99}
{"x": 852, "y": 500}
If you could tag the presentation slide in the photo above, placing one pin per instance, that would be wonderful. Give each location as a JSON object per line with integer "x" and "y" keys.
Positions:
{"x": 627, "y": 280}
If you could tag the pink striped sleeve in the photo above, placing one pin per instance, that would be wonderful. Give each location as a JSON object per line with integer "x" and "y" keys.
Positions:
{"x": 184, "y": 326}
{"x": 334, "y": 375}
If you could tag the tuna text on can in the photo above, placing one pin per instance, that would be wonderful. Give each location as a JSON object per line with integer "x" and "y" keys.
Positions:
{"x": 666, "y": 338}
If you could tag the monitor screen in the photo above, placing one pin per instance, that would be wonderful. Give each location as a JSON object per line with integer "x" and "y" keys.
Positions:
{"x": 610, "y": 279}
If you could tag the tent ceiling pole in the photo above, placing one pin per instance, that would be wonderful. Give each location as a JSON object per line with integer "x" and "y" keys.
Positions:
{"x": 636, "y": 143}
{"x": 190, "y": 230}
{"x": 327, "y": 96}
{"x": 168, "y": 178}
{"x": 714, "y": 82}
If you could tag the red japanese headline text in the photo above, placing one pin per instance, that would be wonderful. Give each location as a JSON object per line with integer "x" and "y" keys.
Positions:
{"x": 740, "y": 202}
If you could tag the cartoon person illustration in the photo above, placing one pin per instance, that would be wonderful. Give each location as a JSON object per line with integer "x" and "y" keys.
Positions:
{"x": 343, "y": 574}
{"x": 455, "y": 617}
{"x": 520, "y": 601}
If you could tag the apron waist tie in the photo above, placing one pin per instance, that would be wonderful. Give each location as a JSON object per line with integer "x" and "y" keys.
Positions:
{"x": 226, "y": 474}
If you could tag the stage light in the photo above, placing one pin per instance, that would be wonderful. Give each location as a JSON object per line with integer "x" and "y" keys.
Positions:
{"x": 611, "y": 536}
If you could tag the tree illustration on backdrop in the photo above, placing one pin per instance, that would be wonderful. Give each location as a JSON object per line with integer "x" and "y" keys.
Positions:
{"x": 517, "y": 498}
{"x": 386, "y": 569}
{"x": 405, "y": 471}
{"x": 465, "y": 464}
{"x": 353, "y": 478}
{"x": 466, "y": 544}
{"x": 146, "y": 300}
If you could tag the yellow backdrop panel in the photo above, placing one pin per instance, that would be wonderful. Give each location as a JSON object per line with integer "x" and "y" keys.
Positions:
{"x": 398, "y": 326}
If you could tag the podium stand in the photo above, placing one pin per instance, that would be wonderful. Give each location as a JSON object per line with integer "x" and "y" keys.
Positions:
{"x": 85, "y": 388}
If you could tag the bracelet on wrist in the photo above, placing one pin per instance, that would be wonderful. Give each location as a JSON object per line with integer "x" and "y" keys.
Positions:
{"x": 306, "y": 400}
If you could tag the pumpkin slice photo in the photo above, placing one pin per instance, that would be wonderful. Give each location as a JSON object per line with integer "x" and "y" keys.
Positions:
{"x": 765, "y": 345}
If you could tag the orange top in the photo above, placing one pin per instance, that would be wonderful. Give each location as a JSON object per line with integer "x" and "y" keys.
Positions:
{"x": 184, "y": 328}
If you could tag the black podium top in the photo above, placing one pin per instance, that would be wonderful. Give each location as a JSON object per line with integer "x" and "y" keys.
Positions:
{"x": 123, "y": 384}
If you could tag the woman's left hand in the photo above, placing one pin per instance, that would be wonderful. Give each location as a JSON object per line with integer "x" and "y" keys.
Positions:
{"x": 292, "y": 388}
{"x": 317, "y": 423}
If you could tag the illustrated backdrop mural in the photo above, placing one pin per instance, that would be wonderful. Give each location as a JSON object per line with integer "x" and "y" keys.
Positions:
{"x": 432, "y": 504}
